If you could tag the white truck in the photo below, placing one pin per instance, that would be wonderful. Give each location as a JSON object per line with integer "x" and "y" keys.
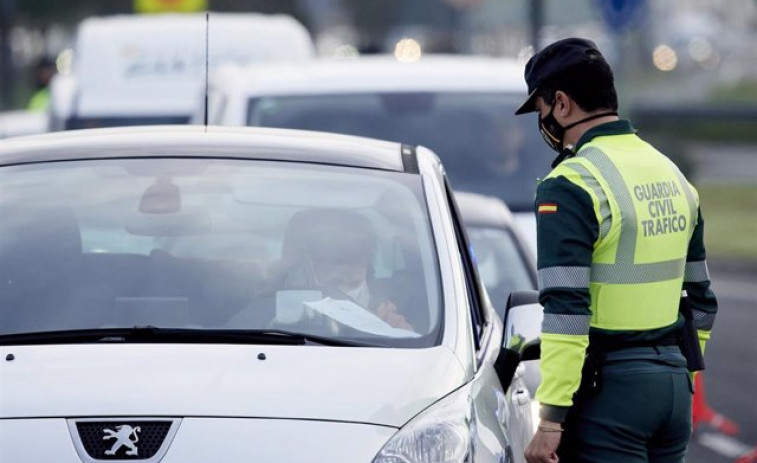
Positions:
{"x": 134, "y": 70}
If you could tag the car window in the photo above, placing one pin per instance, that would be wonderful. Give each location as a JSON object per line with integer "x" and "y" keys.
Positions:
{"x": 484, "y": 147}
{"x": 502, "y": 266}
{"x": 218, "y": 244}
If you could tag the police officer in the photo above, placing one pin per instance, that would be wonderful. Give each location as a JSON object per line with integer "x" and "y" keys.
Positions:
{"x": 619, "y": 236}
{"x": 44, "y": 71}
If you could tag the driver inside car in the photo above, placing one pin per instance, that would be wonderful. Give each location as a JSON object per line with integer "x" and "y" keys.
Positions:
{"x": 335, "y": 255}
{"x": 349, "y": 274}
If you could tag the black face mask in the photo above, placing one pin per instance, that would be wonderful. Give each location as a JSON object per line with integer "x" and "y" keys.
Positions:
{"x": 551, "y": 130}
{"x": 553, "y": 133}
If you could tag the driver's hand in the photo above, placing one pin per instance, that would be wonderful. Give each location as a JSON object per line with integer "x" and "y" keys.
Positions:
{"x": 387, "y": 311}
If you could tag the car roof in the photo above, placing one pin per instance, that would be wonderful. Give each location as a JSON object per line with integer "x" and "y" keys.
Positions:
{"x": 484, "y": 211}
{"x": 375, "y": 74}
{"x": 202, "y": 142}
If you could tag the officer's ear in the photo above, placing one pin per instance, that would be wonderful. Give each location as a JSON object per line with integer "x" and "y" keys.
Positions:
{"x": 563, "y": 103}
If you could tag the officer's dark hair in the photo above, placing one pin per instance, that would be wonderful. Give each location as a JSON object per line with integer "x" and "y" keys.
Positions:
{"x": 44, "y": 62}
{"x": 590, "y": 84}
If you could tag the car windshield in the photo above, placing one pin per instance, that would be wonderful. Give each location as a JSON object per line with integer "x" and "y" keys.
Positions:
{"x": 211, "y": 244}
{"x": 484, "y": 147}
{"x": 502, "y": 265}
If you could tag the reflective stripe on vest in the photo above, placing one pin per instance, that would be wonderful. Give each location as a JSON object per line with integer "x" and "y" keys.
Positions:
{"x": 604, "y": 203}
{"x": 624, "y": 270}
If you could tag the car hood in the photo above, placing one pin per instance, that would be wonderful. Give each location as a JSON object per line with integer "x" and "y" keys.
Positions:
{"x": 347, "y": 384}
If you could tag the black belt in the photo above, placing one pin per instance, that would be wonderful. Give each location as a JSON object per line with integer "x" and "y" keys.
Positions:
{"x": 612, "y": 346}
{"x": 591, "y": 374}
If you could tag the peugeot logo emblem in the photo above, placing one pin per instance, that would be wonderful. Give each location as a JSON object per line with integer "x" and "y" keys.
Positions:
{"x": 126, "y": 436}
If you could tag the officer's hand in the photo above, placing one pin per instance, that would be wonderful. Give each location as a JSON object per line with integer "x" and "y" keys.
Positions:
{"x": 543, "y": 447}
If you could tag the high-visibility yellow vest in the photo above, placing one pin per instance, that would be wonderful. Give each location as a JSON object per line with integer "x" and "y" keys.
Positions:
{"x": 40, "y": 101}
{"x": 646, "y": 212}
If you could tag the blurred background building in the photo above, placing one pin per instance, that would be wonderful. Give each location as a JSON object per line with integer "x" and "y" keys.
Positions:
{"x": 679, "y": 50}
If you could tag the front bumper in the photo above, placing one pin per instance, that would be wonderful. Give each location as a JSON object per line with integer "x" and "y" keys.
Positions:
{"x": 207, "y": 440}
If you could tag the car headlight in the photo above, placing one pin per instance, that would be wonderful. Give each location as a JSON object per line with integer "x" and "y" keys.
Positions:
{"x": 441, "y": 434}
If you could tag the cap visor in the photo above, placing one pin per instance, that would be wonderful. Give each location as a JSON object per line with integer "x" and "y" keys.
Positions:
{"x": 529, "y": 106}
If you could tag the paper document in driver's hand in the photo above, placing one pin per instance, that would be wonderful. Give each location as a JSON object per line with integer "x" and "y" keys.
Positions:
{"x": 350, "y": 314}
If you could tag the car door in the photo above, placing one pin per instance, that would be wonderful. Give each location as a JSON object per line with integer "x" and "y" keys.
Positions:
{"x": 502, "y": 415}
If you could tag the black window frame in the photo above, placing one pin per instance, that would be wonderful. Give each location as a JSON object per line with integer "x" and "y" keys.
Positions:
{"x": 474, "y": 288}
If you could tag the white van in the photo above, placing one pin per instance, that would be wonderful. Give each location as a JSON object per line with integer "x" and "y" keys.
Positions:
{"x": 132, "y": 70}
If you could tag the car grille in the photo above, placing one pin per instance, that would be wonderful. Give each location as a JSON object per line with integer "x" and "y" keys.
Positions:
{"x": 123, "y": 439}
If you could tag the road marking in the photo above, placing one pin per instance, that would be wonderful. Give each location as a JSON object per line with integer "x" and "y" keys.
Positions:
{"x": 724, "y": 445}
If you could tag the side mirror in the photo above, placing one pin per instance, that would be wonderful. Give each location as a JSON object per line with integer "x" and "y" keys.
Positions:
{"x": 520, "y": 337}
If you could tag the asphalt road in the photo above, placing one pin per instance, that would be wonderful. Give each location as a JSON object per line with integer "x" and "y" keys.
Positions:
{"x": 731, "y": 375}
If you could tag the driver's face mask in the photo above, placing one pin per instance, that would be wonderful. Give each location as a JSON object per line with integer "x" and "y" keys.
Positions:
{"x": 344, "y": 276}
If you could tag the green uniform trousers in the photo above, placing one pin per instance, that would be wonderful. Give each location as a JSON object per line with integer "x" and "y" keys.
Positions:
{"x": 641, "y": 414}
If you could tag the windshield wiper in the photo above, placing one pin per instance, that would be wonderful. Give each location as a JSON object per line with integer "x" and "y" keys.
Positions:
{"x": 314, "y": 338}
{"x": 152, "y": 334}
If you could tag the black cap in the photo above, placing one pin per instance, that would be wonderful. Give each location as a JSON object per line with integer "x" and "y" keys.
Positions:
{"x": 551, "y": 61}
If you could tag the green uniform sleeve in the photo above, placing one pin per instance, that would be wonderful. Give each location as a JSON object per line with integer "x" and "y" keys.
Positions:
{"x": 567, "y": 229}
{"x": 696, "y": 282}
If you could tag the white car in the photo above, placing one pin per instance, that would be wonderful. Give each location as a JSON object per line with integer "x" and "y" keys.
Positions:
{"x": 181, "y": 294}
{"x": 461, "y": 107}
{"x": 149, "y": 69}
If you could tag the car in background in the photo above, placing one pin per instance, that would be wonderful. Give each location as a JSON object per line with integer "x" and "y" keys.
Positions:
{"x": 461, "y": 107}
{"x": 150, "y": 69}
{"x": 166, "y": 297}
{"x": 503, "y": 258}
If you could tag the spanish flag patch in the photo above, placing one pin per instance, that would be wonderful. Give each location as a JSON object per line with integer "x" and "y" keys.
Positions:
{"x": 547, "y": 208}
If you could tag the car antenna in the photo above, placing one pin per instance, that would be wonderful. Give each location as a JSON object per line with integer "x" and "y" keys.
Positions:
{"x": 207, "y": 64}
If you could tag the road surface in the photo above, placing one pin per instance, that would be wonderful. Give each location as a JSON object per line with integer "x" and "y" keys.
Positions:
{"x": 731, "y": 376}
